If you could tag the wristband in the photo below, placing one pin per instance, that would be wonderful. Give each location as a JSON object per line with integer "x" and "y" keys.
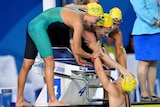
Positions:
{"x": 92, "y": 60}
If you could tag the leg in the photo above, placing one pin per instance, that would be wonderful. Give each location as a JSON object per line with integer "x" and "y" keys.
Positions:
{"x": 49, "y": 78}
{"x": 142, "y": 72}
{"x": 26, "y": 66}
{"x": 152, "y": 77}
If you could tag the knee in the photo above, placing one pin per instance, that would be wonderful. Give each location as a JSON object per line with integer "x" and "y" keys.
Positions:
{"x": 49, "y": 61}
{"x": 144, "y": 63}
{"x": 27, "y": 65}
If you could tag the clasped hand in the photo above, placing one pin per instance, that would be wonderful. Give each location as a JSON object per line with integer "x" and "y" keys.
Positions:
{"x": 96, "y": 48}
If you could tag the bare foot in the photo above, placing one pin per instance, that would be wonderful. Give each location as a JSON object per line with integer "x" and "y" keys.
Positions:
{"x": 57, "y": 103}
{"x": 23, "y": 104}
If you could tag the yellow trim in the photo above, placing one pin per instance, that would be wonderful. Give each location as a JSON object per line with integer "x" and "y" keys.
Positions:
{"x": 145, "y": 105}
{"x": 148, "y": 105}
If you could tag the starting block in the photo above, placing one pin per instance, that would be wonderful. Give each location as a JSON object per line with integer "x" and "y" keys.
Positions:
{"x": 5, "y": 91}
{"x": 73, "y": 84}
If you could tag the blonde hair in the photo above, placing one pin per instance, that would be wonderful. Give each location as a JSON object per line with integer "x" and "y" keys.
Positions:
{"x": 80, "y": 2}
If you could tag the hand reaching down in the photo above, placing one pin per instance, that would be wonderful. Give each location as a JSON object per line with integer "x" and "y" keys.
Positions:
{"x": 96, "y": 48}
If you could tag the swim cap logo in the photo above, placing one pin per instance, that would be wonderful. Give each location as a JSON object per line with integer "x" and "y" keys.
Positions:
{"x": 116, "y": 13}
{"x": 96, "y": 10}
{"x": 129, "y": 84}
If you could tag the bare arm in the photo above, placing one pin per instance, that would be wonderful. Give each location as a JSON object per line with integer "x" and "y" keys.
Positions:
{"x": 77, "y": 42}
{"x": 120, "y": 51}
{"x": 109, "y": 61}
{"x": 107, "y": 85}
{"x": 78, "y": 59}
{"x": 75, "y": 21}
{"x": 89, "y": 37}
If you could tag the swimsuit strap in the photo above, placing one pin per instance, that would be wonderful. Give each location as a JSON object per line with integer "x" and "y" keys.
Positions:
{"x": 129, "y": 100}
{"x": 82, "y": 10}
{"x": 128, "y": 104}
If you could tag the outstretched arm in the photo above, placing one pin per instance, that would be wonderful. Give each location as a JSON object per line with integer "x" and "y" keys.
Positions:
{"x": 107, "y": 85}
{"x": 79, "y": 60}
{"x": 76, "y": 23}
{"x": 107, "y": 60}
{"x": 120, "y": 51}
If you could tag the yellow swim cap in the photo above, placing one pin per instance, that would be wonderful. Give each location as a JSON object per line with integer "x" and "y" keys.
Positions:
{"x": 129, "y": 84}
{"x": 95, "y": 9}
{"x": 106, "y": 21}
{"x": 116, "y": 13}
